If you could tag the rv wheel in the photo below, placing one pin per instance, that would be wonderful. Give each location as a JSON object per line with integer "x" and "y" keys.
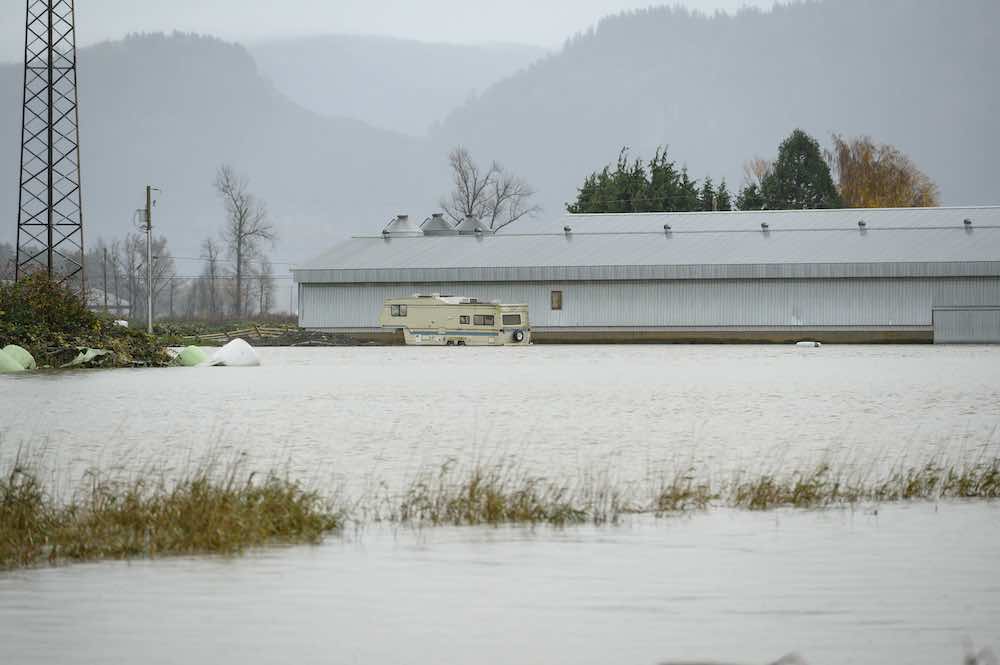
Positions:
{"x": 518, "y": 335}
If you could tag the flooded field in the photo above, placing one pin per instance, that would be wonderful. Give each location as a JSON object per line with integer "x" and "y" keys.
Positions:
{"x": 358, "y": 414}
{"x": 906, "y": 583}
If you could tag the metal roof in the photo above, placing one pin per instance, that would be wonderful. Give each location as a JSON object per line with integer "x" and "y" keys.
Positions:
{"x": 801, "y": 243}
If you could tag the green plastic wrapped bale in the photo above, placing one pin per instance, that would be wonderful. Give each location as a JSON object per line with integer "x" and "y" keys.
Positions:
{"x": 8, "y": 365}
{"x": 191, "y": 356}
{"x": 22, "y": 357}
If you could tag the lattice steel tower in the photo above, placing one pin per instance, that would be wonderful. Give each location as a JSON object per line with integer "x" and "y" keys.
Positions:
{"x": 50, "y": 215}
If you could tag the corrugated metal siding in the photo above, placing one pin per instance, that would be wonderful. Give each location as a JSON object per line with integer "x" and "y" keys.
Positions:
{"x": 705, "y": 303}
{"x": 967, "y": 325}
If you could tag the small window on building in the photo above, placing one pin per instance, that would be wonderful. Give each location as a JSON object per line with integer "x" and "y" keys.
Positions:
{"x": 398, "y": 310}
{"x": 557, "y": 300}
{"x": 512, "y": 319}
{"x": 484, "y": 319}
{"x": 464, "y": 319}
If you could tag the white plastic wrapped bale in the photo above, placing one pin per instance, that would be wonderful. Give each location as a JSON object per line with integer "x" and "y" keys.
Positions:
{"x": 236, "y": 353}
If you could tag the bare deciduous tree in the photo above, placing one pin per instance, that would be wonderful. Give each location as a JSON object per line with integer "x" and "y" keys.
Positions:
{"x": 493, "y": 195}
{"x": 265, "y": 276}
{"x": 247, "y": 225}
{"x": 755, "y": 171}
{"x": 210, "y": 252}
{"x": 7, "y": 259}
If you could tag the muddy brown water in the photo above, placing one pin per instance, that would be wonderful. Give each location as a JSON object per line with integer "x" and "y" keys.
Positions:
{"x": 911, "y": 583}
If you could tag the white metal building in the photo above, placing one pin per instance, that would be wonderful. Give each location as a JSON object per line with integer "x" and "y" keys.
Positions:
{"x": 903, "y": 275}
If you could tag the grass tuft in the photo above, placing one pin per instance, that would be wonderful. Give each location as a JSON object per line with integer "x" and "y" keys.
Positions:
{"x": 494, "y": 496}
{"x": 109, "y": 519}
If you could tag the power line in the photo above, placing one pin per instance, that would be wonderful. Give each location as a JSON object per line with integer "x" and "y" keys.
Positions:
{"x": 204, "y": 260}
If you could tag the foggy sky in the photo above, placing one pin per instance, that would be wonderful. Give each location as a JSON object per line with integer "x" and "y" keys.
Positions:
{"x": 538, "y": 22}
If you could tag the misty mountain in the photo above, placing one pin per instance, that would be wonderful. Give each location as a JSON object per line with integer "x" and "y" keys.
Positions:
{"x": 722, "y": 89}
{"x": 719, "y": 90}
{"x": 396, "y": 84}
{"x": 169, "y": 110}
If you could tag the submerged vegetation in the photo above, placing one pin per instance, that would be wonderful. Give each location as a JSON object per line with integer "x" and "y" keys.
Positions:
{"x": 204, "y": 512}
{"x": 53, "y": 325}
{"x": 225, "y": 512}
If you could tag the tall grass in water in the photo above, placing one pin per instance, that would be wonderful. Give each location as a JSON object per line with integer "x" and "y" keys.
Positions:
{"x": 204, "y": 512}
{"x": 826, "y": 486}
{"x": 497, "y": 495}
{"x": 208, "y": 511}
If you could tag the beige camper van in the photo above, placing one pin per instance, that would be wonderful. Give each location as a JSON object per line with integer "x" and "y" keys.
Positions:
{"x": 438, "y": 320}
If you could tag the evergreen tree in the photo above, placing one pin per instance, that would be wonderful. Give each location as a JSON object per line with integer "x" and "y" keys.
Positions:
{"x": 750, "y": 198}
{"x": 800, "y": 177}
{"x": 635, "y": 186}
{"x": 723, "y": 200}
{"x": 707, "y": 196}
{"x": 689, "y": 199}
{"x": 663, "y": 191}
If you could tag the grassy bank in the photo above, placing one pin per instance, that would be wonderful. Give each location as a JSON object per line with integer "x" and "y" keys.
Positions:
{"x": 204, "y": 512}
{"x": 53, "y": 325}
{"x": 209, "y": 511}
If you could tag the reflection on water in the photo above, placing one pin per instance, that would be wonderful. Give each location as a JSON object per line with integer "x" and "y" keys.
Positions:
{"x": 908, "y": 584}
{"x": 911, "y": 585}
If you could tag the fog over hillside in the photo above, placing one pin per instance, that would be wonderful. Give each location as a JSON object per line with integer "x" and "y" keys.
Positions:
{"x": 719, "y": 90}
{"x": 722, "y": 89}
{"x": 397, "y": 84}
{"x": 169, "y": 110}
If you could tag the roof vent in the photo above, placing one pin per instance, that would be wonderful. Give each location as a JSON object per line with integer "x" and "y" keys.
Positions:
{"x": 437, "y": 225}
{"x": 472, "y": 226}
{"x": 401, "y": 226}
{"x": 764, "y": 226}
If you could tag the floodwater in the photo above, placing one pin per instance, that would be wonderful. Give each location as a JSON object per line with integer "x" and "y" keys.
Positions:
{"x": 909, "y": 583}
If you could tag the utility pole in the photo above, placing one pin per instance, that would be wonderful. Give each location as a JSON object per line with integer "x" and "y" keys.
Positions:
{"x": 105, "y": 280}
{"x": 149, "y": 257}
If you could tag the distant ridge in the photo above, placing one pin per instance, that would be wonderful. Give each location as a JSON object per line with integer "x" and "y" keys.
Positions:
{"x": 397, "y": 84}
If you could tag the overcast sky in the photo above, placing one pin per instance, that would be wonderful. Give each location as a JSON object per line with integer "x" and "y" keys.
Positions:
{"x": 540, "y": 22}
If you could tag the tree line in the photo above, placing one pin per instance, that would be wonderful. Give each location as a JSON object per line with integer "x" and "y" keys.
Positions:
{"x": 236, "y": 279}
{"x": 856, "y": 173}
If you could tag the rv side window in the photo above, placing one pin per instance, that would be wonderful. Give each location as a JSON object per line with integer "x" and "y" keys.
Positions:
{"x": 512, "y": 319}
{"x": 557, "y": 300}
{"x": 484, "y": 319}
{"x": 398, "y": 310}
{"x": 464, "y": 319}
